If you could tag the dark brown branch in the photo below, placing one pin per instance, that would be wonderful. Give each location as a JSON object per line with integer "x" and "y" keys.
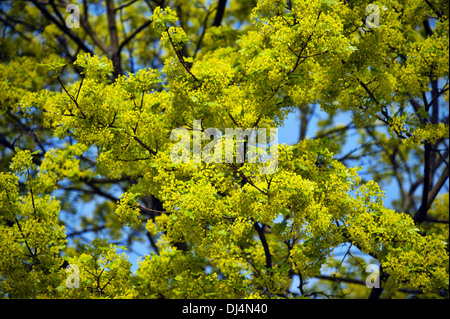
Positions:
{"x": 86, "y": 10}
{"x": 419, "y": 216}
{"x": 262, "y": 237}
{"x": 439, "y": 14}
{"x": 133, "y": 34}
{"x": 417, "y": 107}
{"x": 144, "y": 146}
{"x": 152, "y": 242}
{"x": 87, "y": 27}
{"x": 81, "y": 232}
{"x": 29, "y": 130}
{"x": 245, "y": 179}
{"x": 32, "y": 198}
{"x": 150, "y": 210}
{"x": 79, "y": 88}
{"x": 219, "y": 13}
{"x": 114, "y": 53}
{"x": 232, "y": 118}
{"x": 71, "y": 97}
{"x": 202, "y": 35}
{"x": 377, "y": 291}
{"x": 95, "y": 191}
{"x": 6, "y": 143}
{"x": 334, "y": 130}
{"x": 383, "y": 109}
{"x": 436, "y": 220}
{"x": 9, "y": 23}
{"x": 437, "y": 187}
{"x": 181, "y": 59}
{"x": 33, "y": 254}
{"x": 299, "y": 55}
{"x": 312, "y": 55}
{"x": 129, "y": 3}
{"x": 436, "y": 96}
{"x": 62, "y": 27}
{"x": 55, "y": 9}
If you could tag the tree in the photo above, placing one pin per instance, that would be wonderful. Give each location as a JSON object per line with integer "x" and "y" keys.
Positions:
{"x": 88, "y": 114}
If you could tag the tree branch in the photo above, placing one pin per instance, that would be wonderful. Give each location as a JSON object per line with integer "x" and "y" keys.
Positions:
{"x": 419, "y": 216}
{"x": 221, "y": 4}
{"x": 181, "y": 59}
{"x": 62, "y": 27}
{"x": 71, "y": 97}
{"x": 129, "y": 3}
{"x": 87, "y": 27}
{"x": 202, "y": 35}
{"x": 114, "y": 53}
{"x": 262, "y": 237}
{"x": 299, "y": 56}
{"x": 144, "y": 146}
{"x": 133, "y": 34}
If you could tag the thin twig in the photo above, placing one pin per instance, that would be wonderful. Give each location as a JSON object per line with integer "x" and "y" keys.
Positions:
{"x": 144, "y": 146}
{"x": 180, "y": 58}
{"x": 71, "y": 97}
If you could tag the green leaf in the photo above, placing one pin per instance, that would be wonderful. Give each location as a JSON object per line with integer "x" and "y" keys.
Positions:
{"x": 301, "y": 166}
{"x": 379, "y": 230}
{"x": 84, "y": 258}
{"x": 329, "y": 2}
{"x": 61, "y": 288}
{"x": 285, "y": 211}
{"x": 178, "y": 278}
{"x": 55, "y": 65}
{"x": 281, "y": 227}
{"x": 222, "y": 232}
{"x": 173, "y": 164}
{"x": 351, "y": 48}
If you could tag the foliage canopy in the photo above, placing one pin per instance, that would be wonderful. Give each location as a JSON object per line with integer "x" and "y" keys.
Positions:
{"x": 86, "y": 117}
